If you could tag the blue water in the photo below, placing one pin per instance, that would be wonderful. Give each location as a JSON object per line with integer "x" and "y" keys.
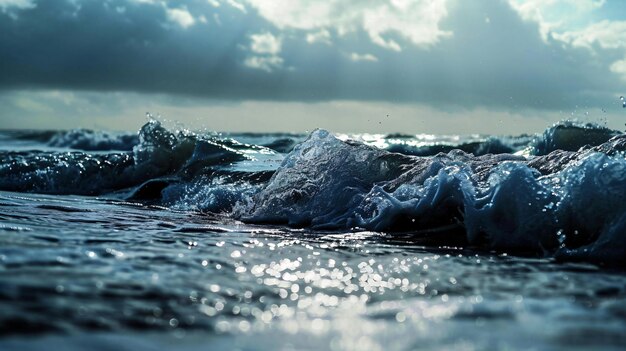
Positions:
{"x": 179, "y": 240}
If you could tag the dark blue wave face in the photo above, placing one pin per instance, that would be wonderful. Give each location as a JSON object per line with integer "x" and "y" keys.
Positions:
{"x": 532, "y": 195}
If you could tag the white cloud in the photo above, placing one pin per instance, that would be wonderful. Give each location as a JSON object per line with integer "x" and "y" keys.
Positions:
{"x": 554, "y": 15}
{"x": 17, "y": 4}
{"x": 265, "y": 43}
{"x": 416, "y": 21}
{"x": 363, "y": 57}
{"x": 152, "y": 2}
{"x": 237, "y": 5}
{"x": 322, "y": 36}
{"x": 301, "y": 14}
{"x": 265, "y": 47}
{"x": 180, "y": 16}
{"x": 607, "y": 34}
{"x": 567, "y": 21}
{"x": 265, "y": 63}
{"x": 619, "y": 67}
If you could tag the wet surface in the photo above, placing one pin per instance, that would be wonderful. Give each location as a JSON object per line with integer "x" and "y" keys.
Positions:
{"x": 83, "y": 271}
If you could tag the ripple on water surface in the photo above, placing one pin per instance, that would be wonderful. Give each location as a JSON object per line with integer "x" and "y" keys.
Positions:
{"x": 107, "y": 268}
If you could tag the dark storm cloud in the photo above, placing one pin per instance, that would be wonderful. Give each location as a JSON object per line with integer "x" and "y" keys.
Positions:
{"x": 124, "y": 45}
{"x": 97, "y": 47}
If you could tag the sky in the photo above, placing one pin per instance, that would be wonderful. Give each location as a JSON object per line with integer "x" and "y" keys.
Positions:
{"x": 411, "y": 66}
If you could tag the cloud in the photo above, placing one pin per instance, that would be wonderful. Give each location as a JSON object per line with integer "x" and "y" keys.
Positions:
{"x": 567, "y": 21}
{"x": 180, "y": 16}
{"x": 363, "y": 57}
{"x": 416, "y": 21}
{"x": 10, "y": 7}
{"x": 606, "y": 34}
{"x": 265, "y": 48}
{"x": 439, "y": 53}
{"x": 321, "y": 36}
{"x": 265, "y": 43}
{"x": 237, "y": 5}
{"x": 301, "y": 14}
{"x": 265, "y": 63}
{"x": 554, "y": 15}
{"x": 54, "y": 109}
{"x": 619, "y": 67}
{"x": 18, "y": 4}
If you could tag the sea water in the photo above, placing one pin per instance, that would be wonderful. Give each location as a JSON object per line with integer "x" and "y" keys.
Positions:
{"x": 170, "y": 239}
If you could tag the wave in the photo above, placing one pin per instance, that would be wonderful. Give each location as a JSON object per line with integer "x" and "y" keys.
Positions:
{"x": 564, "y": 135}
{"x": 561, "y": 194}
{"x": 571, "y": 136}
{"x": 571, "y": 205}
{"x": 158, "y": 153}
{"x": 488, "y": 146}
{"x": 77, "y": 139}
{"x": 89, "y": 140}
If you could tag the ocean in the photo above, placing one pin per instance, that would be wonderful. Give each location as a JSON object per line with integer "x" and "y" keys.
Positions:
{"x": 173, "y": 239}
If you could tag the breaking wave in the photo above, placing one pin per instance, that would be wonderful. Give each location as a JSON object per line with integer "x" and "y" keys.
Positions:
{"x": 560, "y": 194}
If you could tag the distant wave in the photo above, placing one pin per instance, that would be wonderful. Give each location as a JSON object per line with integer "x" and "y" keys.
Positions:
{"x": 571, "y": 136}
{"x": 78, "y": 139}
{"x": 565, "y": 135}
{"x": 487, "y": 146}
{"x": 89, "y": 140}
{"x": 157, "y": 153}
